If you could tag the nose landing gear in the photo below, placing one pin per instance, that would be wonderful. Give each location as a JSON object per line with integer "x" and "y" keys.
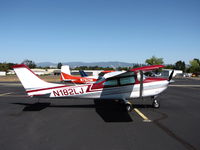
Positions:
{"x": 155, "y": 103}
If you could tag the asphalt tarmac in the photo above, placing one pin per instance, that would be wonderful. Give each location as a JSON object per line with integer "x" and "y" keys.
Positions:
{"x": 78, "y": 124}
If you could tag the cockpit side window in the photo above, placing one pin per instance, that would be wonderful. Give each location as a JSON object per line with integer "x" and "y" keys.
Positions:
{"x": 127, "y": 78}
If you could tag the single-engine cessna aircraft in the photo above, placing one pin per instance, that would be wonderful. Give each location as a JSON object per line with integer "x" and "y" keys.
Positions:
{"x": 67, "y": 77}
{"x": 115, "y": 85}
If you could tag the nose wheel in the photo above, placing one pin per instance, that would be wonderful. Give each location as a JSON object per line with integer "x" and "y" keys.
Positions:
{"x": 155, "y": 103}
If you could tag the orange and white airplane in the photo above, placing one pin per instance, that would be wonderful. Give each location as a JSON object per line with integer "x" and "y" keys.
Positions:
{"x": 116, "y": 85}
{"x": 66, "y": 76}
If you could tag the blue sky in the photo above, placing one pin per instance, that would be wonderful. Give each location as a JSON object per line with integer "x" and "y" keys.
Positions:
{"x": 99, "y": 30}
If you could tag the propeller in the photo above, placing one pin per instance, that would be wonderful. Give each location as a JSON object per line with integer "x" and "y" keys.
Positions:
{"x": 171, "y": 75}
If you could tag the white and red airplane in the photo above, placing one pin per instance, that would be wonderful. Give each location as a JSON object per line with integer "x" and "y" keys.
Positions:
{"x": 115, "y": 85}
{"x": 66, "y": 76}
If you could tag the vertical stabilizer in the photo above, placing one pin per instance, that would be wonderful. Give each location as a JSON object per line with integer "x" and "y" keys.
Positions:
{"x": 65, "y": 69}
{"x": 30, "y": 80}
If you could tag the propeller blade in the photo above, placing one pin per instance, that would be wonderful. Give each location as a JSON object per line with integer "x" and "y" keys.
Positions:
{"x": 171, "y": 75}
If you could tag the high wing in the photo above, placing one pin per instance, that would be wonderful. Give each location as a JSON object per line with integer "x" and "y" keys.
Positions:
{"x": 124, "y": 73}
{"x": 147, "y": 68}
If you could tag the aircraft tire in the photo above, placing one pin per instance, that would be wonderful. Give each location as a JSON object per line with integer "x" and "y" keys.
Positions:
{"x": 129, "y": 107}
{"x": 156, "y": 104}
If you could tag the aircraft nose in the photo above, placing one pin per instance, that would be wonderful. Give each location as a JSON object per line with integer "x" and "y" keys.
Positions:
{"x": 166, "y": 83}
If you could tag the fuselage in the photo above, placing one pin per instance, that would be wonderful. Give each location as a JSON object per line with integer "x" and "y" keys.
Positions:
{"x": 107, "y": 89}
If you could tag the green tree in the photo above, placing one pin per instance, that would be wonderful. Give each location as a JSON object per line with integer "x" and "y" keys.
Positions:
{"x": 4, "y": 67}
{"x": 29, "y": 63}
{"x": 195, "y": 66}
{"x": 136, "y": 65}
{"x": 10, "y": 65}
{"x": 120, "y": 68}
{"x": 154, "y": 61}
{"x": 180, "y": 65}
{"x": 59, "y": 65}
{"x": 169, "y": 66}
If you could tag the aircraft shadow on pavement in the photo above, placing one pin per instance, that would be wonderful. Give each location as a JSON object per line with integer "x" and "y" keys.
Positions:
{"x": 42, "y": 105}
{"x": 109, "y": 111}
{"x": 34, "y": 107}
{"x": 142, "y": 106}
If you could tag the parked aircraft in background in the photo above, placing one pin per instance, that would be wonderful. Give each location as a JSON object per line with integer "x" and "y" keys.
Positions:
{"x": 84, "y": 74}
{"x": 67, "y": 77}
{"x": 115, "y": 85}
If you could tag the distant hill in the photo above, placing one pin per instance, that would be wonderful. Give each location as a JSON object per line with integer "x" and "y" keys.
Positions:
{"x": 77, "y": 64}
{"x": 46, "y": 64}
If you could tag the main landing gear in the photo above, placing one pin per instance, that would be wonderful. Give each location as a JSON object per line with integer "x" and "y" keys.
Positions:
{"x": 155, "y": 103}
{"x": 129, "y": 106}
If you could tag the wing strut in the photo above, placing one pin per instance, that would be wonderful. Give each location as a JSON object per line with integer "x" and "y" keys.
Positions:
{"x": 141, "y": 83}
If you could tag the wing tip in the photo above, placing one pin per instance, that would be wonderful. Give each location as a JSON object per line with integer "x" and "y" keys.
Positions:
{"x": 19, "y": 66}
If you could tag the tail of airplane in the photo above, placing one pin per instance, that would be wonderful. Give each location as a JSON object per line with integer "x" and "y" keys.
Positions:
{"x": 65, "y": 74}
{"x": 82, "y": 73}
{"x": 65, "y": 69}
{"x": 30, "y": 80}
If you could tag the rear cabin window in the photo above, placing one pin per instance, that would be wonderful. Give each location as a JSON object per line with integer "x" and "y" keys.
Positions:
{"x": 127, "y": 80}
{"x": 110, "y": 83}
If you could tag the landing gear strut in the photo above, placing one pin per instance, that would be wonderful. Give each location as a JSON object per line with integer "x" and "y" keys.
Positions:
{"x": 155, "y": 103}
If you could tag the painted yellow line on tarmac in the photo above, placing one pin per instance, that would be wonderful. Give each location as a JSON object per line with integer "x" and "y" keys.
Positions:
{"x": 145, "y": 119}
{"x": 3, "y": 94}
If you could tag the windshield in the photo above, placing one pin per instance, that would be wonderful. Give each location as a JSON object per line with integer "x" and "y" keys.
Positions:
{"x": 100, "y": 79}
